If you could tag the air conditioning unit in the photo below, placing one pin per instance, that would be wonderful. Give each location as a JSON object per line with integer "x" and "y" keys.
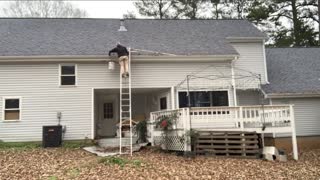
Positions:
{"x": 52, "y": 136}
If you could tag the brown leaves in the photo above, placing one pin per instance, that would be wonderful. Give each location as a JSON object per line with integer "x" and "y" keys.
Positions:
{"x": 60, "y": 163}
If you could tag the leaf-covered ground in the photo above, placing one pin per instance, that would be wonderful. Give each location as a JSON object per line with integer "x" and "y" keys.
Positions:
{"x": 64, "y": 163}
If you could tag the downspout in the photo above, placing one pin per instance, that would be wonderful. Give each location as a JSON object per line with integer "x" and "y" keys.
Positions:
{"x": 265, "y": 62}
{"x": 233, "y": 81}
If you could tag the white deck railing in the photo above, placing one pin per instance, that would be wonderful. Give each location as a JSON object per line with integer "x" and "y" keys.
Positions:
{"x": 262, "y": 119}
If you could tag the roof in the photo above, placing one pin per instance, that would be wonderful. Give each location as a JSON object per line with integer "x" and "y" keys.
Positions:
{"x": 58, "y": 36}
{"x": 293, "y": 71}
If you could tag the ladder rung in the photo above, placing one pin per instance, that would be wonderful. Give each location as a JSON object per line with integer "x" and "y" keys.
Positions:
{"x": 125, "y": 99}
{"x": 125, "y": 111}
{"x": 125, "y": 105}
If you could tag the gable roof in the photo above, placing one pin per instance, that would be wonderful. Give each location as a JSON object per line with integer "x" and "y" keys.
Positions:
{"x": 293, "y": 71}
{"x": 45, "y": 37}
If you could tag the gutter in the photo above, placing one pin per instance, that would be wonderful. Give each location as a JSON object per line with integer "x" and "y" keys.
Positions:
{"x": 292, "y": 95}
{"x": 103, "y": 58}
{"x": 246, "y": 39}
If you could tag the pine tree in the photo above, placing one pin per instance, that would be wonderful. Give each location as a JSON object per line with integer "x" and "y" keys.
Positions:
{"x": 288, "y": 22}
{"x": 189, "y": 8}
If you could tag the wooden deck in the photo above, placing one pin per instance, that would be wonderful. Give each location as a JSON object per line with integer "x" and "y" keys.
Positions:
{"x": 273, "y": 119}
{"x": 231, "y": 144}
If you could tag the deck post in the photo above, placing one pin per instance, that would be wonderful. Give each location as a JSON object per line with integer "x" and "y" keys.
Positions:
{"x": 241, "y": 118}
{"x": 294, "y": 136}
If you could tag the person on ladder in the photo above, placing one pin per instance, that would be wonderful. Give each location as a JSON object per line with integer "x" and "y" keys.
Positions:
{"x": 123, "y": 59}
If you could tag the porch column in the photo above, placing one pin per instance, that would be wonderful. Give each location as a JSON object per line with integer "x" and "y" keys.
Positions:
{"x": 294, "y": 135}
{"x": 187, "y": 128}
{"x": 234, "y": 84}
{"x": 173, "y": 100}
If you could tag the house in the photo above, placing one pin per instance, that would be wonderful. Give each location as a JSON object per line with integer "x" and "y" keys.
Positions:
{"x": 56, "y": 70}
{"x": 294, "y": 78}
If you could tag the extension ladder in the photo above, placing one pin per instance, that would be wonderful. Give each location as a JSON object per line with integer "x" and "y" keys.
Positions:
{"x": 125, "y": 103}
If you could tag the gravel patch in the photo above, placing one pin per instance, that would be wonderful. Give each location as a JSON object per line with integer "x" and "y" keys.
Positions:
{"x": 62, "y": 163}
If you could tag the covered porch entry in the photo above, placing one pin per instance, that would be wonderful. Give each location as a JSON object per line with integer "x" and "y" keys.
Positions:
{"x": 107, "y": 109}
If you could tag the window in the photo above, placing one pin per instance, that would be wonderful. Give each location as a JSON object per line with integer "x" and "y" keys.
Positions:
{"x": 67, "y": 75}
{"x": 108, "y": 110}
{"x": 163, "y": 103}
{"x": 204, "y": 99}
{"x": 11, "y": 109}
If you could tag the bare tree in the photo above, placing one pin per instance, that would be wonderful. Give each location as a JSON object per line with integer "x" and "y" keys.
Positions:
{"x": 129, "y": 15}
{"x": 159, "y": 9}
{"x": 40, "y": 8}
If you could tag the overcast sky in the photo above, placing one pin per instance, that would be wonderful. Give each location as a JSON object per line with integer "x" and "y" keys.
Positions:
{"x": 106, "y": 9}
{"x": 101, "y": 9}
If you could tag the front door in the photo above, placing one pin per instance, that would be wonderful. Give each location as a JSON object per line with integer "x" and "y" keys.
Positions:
{"x": 107, "y": 117}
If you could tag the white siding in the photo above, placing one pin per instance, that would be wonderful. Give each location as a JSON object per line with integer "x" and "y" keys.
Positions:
{"x": 42, "y": 97}
{"x": 41, "y": 100}
{"x": 172, "y": 74}
{"x": 249, "y": 97}
{"x": 307, "y": 114}
{"x": 251, "y": 59}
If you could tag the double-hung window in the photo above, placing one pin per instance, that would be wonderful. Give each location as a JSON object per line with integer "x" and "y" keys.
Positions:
{"x": 12, "y": 109}
{"x": 68, "y": 75}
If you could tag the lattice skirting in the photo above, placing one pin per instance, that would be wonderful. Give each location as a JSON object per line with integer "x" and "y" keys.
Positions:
{"x": 174, "y": 143}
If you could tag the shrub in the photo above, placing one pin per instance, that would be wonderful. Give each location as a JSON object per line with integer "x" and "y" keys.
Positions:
{"x": 141, "y": 129}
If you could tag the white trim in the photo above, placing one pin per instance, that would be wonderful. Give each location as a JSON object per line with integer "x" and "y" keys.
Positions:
{"x": 265, "y": 62}
{"x": 75, "y": 74}
{"x": 92, "y": 114}
{"x": 4, "y": 109}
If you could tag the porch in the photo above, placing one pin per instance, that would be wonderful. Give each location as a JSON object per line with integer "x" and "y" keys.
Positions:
{"x": 107, "y": 112}
{"x": 262, "y": 119}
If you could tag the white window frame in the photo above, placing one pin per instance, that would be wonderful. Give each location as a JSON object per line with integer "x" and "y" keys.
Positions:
{"x": 75, "y": 74}
{"x": 4, "y": 108}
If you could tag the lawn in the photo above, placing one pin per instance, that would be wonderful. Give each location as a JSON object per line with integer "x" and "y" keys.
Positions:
{"x": 74, "y": 163}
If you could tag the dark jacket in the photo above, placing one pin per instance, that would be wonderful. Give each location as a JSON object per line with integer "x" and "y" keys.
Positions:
{"x": 120, "y": 50}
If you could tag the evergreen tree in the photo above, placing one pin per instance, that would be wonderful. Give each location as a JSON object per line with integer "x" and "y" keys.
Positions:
{"x": 288, "y": 22}
{"x": 189, "y": 9}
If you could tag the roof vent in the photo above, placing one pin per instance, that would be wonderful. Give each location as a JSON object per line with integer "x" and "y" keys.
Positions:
{"x": 122, "y": 27}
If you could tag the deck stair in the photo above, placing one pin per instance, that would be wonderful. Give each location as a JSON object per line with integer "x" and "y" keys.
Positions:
{"x": 125, "y": 106}
{"x": 230, "y": 144}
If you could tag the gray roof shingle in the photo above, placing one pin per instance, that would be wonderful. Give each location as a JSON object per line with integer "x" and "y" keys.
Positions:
{"x": 32, "y": 37}
{"x": 293, "y": 70}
